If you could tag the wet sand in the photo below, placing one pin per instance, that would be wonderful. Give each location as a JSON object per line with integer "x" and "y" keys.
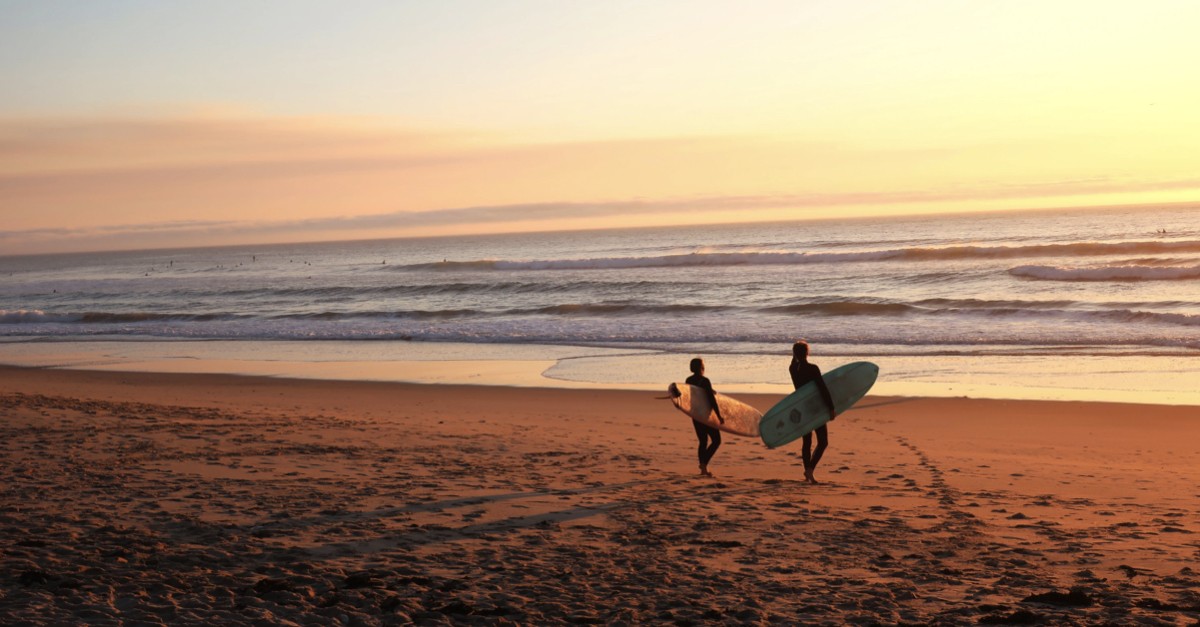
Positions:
{"x": 185, "y": 499}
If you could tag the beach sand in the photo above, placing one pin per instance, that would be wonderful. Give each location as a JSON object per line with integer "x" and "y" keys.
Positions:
{"x": 184, "y": 499}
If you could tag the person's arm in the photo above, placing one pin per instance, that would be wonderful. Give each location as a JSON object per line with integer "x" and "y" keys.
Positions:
{"x": 824, "y": 389}
{"x": 712, "y": 398}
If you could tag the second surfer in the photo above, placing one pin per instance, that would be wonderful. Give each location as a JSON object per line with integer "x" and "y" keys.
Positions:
{"x": 802, "y": 372}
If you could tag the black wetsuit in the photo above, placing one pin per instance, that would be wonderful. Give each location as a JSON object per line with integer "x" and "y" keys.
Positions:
{"x": 704, "y": 432}
{"x": 802, "y": 372}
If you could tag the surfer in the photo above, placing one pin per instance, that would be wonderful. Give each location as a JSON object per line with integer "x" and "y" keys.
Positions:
{"x": 802, "y": 372}
{"x": 704, "y": 433}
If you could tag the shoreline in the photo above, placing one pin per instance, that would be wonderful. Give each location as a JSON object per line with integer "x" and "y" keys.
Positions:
{"x": 209, "y": 498}
{"x": 1163, "y": 380}
{"x": 115, "y": 383}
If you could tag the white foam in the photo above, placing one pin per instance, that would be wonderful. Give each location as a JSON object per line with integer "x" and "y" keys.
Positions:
{"x": 26, "y": 316}
{"x": 1107, "y": 273}
{"x": 703, "y": 258}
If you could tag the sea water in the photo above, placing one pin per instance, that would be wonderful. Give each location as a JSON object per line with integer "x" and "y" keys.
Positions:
{"x": 1065, "y": 304}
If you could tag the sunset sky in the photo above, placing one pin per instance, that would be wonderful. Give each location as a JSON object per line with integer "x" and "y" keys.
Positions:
{"x": 129, "y": 124}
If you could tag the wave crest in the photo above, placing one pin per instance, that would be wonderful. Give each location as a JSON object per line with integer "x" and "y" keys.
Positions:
{"x": 1107, "y": 273}
{"x": 700, "y": 259}
{"x": 37, "y": 316}
{"x": 22, "y": 315}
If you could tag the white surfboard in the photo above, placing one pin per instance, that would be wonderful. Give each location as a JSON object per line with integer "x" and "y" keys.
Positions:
{"x": 740, "y": 418}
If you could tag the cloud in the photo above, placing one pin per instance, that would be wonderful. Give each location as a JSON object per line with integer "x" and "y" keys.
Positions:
{"x": 123, "y": 229}
{"x": 95, "y": 183}
{"x": 399, "y": 223}
{"x": 629, "y": 208}
{"x": 47, "y": 145}
{"x": 71, "y": 171}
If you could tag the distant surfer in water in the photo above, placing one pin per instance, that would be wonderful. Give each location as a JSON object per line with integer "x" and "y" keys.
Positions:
{"x": 802, "y": 372}
{"x": 704, "y": 433}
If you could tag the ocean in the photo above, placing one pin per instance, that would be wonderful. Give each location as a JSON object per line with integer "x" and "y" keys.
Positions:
{"x": 1094, "y": 304}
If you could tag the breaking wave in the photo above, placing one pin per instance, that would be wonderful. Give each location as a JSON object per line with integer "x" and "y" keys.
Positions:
{"x": 1107, "y": 273}
{"x": 1076, "y": 249}
{"x": 34, "y": 316}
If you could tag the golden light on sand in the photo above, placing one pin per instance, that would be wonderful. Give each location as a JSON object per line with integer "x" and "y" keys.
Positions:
{"x": 254, "y": 498}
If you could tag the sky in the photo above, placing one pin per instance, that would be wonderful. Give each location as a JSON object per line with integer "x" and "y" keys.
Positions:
{"x": 144, "y": 124}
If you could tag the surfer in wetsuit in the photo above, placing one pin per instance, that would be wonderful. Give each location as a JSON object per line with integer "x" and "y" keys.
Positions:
{"x": 802, "y": 372}
{"x": 704, "y": 432}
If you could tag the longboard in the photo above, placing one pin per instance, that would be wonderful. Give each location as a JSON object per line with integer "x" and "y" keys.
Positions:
{"x": 740, "y": 418}
{"x": 804, "y": 410}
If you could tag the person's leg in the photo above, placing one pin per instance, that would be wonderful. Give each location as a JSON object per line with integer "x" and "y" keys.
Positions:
{"x": 715, "y": 435}
{"x": 702, "y": 436}
{"x": 822, "y": 443}
{"x": 811, "y": 461}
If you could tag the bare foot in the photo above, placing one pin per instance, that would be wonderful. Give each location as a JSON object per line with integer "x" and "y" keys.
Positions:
{"x": 704, "y": 471}
{"x": 808, "y": 476}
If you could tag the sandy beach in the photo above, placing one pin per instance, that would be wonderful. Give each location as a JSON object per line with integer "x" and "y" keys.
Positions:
{"x": 209, "y": 499}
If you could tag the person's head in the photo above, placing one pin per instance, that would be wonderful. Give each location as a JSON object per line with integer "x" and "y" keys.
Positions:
{"x": 697, "y": 366}
{"x": 800, "y": 350}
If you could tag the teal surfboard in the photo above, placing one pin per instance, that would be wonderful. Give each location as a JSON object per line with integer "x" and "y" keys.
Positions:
{"x": 805, "y": 410}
